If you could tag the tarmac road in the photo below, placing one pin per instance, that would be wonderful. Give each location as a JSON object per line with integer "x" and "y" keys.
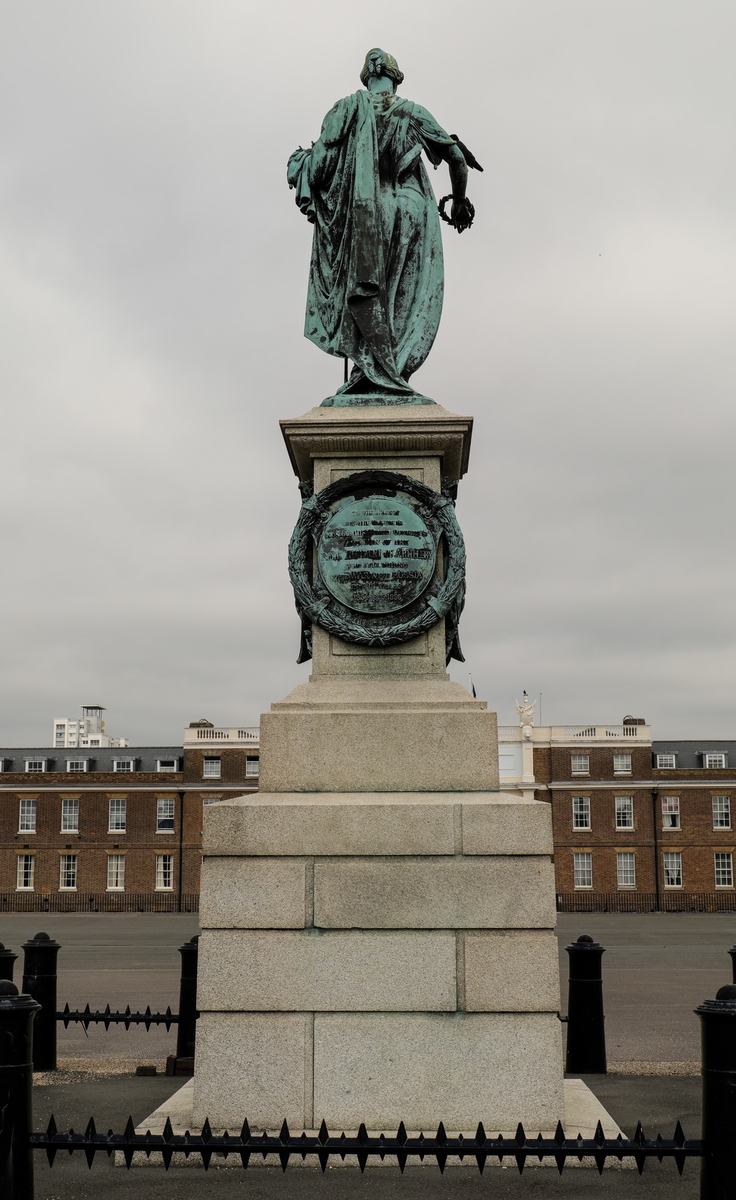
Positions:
{"x": 656, "y": 969}
{"x": 657, "y": 1102}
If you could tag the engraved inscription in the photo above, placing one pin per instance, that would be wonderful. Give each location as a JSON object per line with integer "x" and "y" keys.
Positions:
{"x": 376, "y": 555}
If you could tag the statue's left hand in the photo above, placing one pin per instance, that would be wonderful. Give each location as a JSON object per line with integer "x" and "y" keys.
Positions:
{"x": 462, "y": 214}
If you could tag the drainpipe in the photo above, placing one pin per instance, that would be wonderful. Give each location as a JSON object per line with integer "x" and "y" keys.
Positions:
{"x": 181, "y": 844}
{"x": 656, "y": 847}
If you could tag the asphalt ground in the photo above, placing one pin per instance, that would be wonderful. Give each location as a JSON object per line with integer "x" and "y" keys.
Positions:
{"x": 658, "y": 1102}
{"x": 656, "y": 969}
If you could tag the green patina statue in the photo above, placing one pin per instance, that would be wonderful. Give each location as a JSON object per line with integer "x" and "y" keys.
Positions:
{"x": 376, "y": 278}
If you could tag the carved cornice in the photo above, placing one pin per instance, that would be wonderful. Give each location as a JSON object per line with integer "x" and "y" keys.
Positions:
{"x": 327, "y": 433}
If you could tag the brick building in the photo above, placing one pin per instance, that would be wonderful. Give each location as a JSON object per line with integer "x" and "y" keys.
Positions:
{"x": 638, "y": 825}
{"x": 115, "y": 828}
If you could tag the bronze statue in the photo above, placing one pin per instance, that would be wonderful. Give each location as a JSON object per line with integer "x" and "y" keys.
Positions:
{"x": 376, "y": 278}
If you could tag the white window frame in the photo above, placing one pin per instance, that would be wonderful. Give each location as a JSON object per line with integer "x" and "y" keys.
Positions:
{"x": 667, "y": 765}
{"x": 123, "y": 766}
{"x": 628, "y": 810}
{"x": 727, "y": 861}
{"x": 27, "y": 815}
{"x": 165, "y": 811}
{"x": 252, "y": 766}
{"x": 73, "y": 766}
{"x": 581, "y": 812}
{"x": 116, "y": 872}
{"x": 626, "y": 869}
{"x": 117, "y": 804}
{"x": 622, "y": 764}
{"x": 583, "y": 764}
{"x": 36, "y": 766}
{"x": 215, "y": 768}
{"x": 166, "y": 770}
{"x": 721, "y": 811}
{"x": 671, "y": 861}
{"x": 582, "y": 869}
{"x": 68, "y": 858}
{"x": 69, "y": 804}
{"x": 20, "y": 872}
{"x": 164, "y": 867}
{"x": 672, "y": 811}
{"x": 714, "y": 766}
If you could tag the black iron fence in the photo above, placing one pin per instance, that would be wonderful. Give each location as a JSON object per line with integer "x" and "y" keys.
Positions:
{"x": 143, "y": 902}
{"x": 619, "y": 902}
{"x": 40, "y": 980}
{"x": 716, "y": 1148}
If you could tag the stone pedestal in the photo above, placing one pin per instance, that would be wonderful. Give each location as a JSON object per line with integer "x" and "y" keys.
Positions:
{"x": 378, "y": 921}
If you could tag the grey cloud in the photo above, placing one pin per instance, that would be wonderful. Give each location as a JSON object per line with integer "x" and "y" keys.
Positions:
{"x": 154, "y": 272}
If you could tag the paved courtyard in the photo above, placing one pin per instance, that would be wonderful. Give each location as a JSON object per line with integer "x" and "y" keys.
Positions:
{"x": 657, "y": 968}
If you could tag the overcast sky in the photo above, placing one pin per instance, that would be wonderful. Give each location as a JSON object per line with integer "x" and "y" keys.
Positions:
{"x": 154, "y": 271}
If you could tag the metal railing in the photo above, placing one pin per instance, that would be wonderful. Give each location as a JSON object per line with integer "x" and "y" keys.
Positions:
{"x": 714, "y": 1148}
{"x": 666, "y": 901}
{"x": 143, "y": 902}
{"x": 40, "y": 979}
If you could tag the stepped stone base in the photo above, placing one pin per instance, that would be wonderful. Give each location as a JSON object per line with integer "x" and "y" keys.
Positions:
{"x": 378, "y": 957}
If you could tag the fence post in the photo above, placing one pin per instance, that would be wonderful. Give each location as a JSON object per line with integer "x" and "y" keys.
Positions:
{"x": 16, "y": 1084}
{"x": 187, "y": 1029}
{"x": 732, "y": 952}
{"x": 39, "y": 981}
{"x": 718, "y": 1056}
{"x": 586, "y": 1034}
{"x": 7, "y": 958}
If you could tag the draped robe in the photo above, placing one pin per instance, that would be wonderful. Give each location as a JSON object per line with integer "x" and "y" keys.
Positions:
{"x": 376, "y": 275}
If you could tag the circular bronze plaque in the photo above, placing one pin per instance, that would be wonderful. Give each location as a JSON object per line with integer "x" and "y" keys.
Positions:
{"x": 376, "y": 555}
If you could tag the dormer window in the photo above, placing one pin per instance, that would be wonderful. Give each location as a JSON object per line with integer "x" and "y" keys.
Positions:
{"x": 77, "y": 764}
{"x": 123, "y": 764}
{"x": 714, "y": 760}
{"x": 667, "y": 760}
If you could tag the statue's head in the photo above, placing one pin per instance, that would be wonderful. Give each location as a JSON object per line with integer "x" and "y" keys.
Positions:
{"x": 378, "y": 62}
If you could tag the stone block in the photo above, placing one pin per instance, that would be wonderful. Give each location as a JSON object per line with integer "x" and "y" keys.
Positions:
{"x": 253, "y": 893}
{"x": 394, "y": 749}
{"x": 497, "y": 1068}
{"x": 506, "y": 824}
{"x": 257, "y": 1065}
{"x": 434, "y": 893}
{"x": 356, "y": 971}
{"x": 511, "y": 971}
{"x": 296, "y": 825}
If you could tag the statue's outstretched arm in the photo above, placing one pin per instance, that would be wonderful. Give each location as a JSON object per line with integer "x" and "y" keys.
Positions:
{"x": 462, "y": 213}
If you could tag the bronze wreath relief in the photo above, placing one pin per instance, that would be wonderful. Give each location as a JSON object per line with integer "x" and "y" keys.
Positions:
{"x": 376, "y": 559}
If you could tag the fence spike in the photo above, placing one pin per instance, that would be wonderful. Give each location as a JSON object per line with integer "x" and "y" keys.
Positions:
{"x": 323, "y": 1134}
{"x": 599, "y": 1136}
{"x": 245, "y": 1131}
{"x": 206, "y": 1134}
{"x": 520, "y": 1135}
{"x": 50, "y": 1134}
{"x": 67, "y": 1010}
{"x": 401, "y": 1133}
{"x": 480, "y": 1134}
{"x": 148, "y": 1023}
{"x": 90, "y": 1133}
{"x": 441, "y": 1137}
{"x": 362, "y": 1134}
{"x": 168, "y": 1130}
{"x": 559, "y": 1134}
{"x": 639, "y": 1134}
{"x": 343, "y": 1139}
{"x": 284, "y": 1135}
{"x": 679, "y": 1137}
{"x": 126, "y": 1014}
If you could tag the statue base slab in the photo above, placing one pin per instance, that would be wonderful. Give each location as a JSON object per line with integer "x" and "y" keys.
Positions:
{"x": 378, "y": 957}
{"x": 369, "y": 399}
